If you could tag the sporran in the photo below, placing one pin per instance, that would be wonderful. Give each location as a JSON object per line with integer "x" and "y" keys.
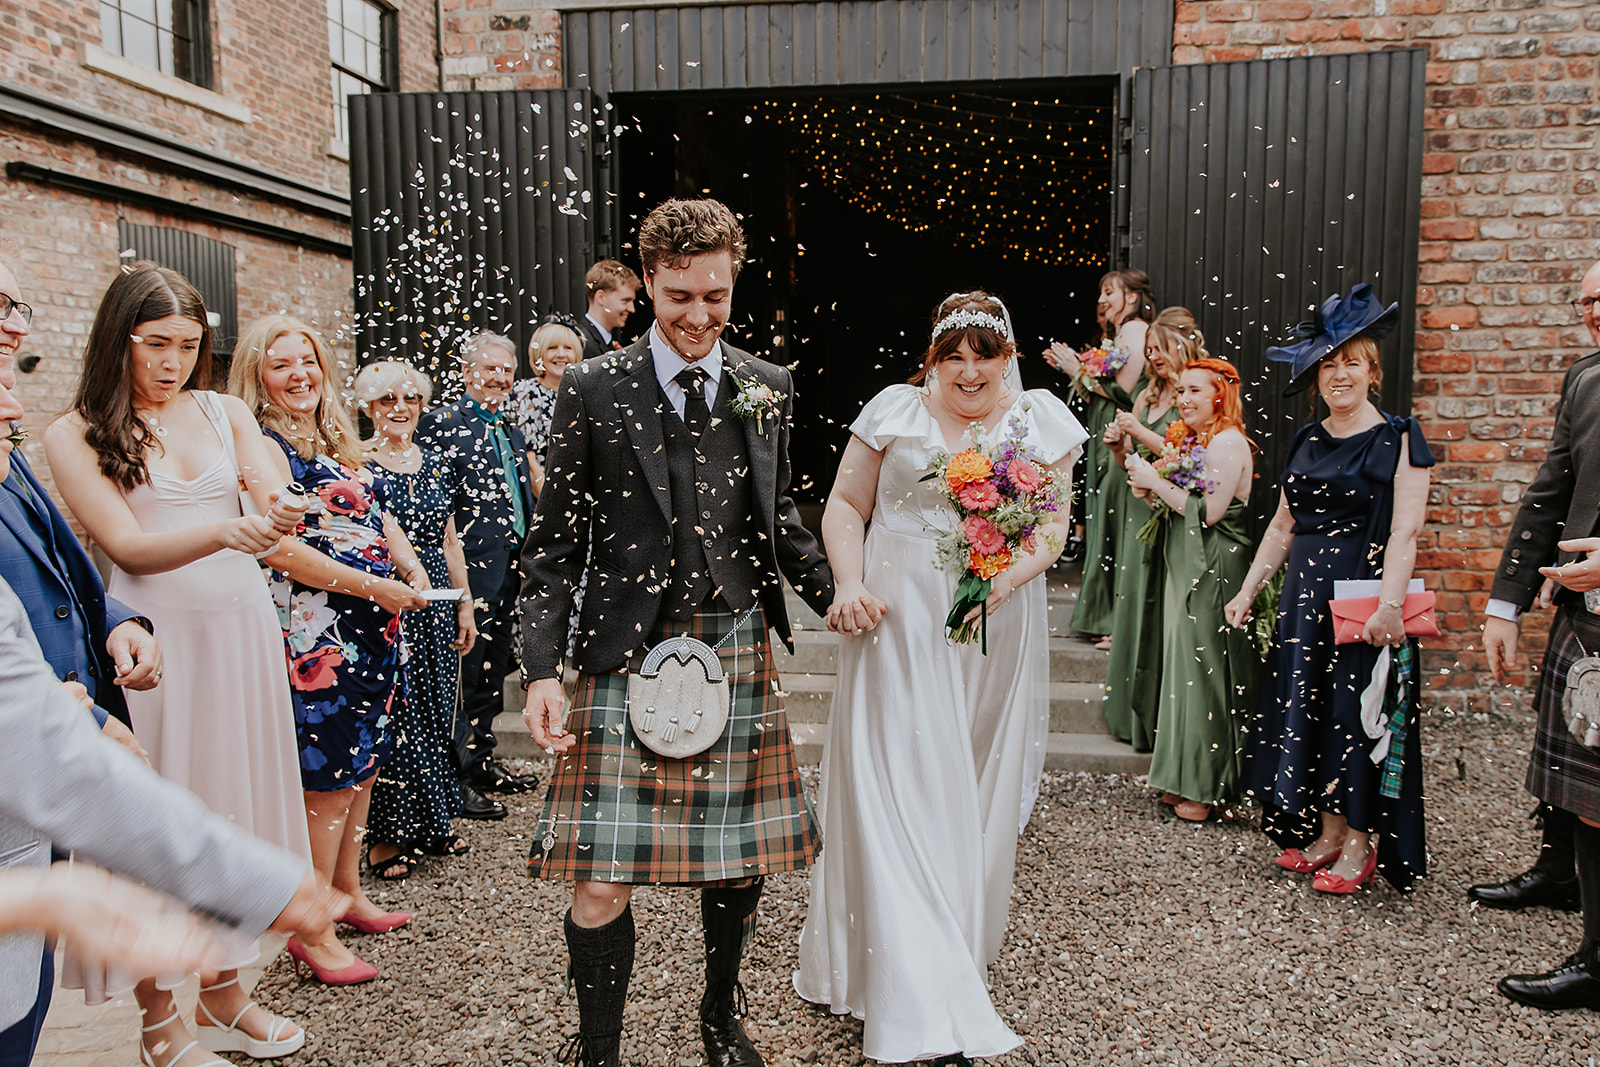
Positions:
{"x": 678, "y": 699}
{"x": 1581, "y": 701}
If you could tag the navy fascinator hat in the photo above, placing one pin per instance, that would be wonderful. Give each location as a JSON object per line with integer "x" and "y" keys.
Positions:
{"x": 1337, "y": 320}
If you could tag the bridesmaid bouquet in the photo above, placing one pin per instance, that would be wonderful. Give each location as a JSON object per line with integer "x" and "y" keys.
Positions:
{"x": 1096, "y": 365}
{"x": 1183, "y": 463}
{"x": 1001, "y": 496}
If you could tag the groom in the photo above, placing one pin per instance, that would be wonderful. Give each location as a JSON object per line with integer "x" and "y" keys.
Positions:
{"x": 669, "y": 483}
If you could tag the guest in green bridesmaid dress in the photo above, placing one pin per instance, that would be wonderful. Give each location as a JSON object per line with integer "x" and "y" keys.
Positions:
{"x": 1128, "y": 306}
{"x": 1133, "y": 670}
{"x": 1208, "y": 668}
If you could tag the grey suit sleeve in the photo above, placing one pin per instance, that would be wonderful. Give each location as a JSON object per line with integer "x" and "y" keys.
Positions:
{"x": 60, "y": 777}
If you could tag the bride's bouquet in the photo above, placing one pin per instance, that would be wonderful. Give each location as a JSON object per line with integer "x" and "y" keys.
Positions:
{"x": 1183, "y": 463}
{"x": 1001, "y": 494}
{"x": 1097, "y": 365}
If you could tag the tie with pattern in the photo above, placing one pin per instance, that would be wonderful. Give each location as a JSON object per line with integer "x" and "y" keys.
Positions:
{"x": 695, "y": 413}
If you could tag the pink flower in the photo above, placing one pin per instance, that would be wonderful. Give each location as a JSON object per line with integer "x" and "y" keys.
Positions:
{"x": 345, "y": 496}
{"x": 983, "y": 535}
{"x": 316, "y": 669}
{"x": 978, "y": 496}
{"x": 1025, "y": 476}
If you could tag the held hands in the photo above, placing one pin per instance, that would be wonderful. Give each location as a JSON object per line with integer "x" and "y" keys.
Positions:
{"x": 545, "y": 714}
{"x": 1582, "y": 576}
{"x": 286, "y": 518}
{"x": 1384, "y": 627}
{"x": 135, "y": 655}
{"x": 854, "y": 610}
{"x": 1062, "y": 358}
{"x": 1000, "y": 590}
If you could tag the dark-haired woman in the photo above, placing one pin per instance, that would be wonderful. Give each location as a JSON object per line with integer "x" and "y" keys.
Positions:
{"x": 1128, "y": 305}
{"x": 925, "y": 770}
{"x": 340, "y": 606}
{"x": 153, "y": 465}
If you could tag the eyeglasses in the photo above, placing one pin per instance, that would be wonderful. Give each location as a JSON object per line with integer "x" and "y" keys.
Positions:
{"x": 391, "y": 398}
{"x": 1585, "y": 304}
{"x": 7, "y": 305}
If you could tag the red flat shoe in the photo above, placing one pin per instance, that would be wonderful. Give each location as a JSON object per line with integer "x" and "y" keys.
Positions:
{"x": 1295, "y": 860}
{"x": 357, "y": 972}
{"x": 1328, "y": 882}
{"x": 389, "y": 920}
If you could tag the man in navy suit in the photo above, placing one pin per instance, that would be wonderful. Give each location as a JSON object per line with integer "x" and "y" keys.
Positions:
{"x": 493, "y": 505}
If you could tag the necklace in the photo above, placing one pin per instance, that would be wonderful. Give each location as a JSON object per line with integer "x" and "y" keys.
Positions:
{"x": 155, "y": 423}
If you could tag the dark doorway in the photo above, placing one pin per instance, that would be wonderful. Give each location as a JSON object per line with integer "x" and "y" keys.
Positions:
{"x": 864, "y": 209}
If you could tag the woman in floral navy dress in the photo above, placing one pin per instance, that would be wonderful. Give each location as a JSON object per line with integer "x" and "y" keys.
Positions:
{"x": 339, "y": 605}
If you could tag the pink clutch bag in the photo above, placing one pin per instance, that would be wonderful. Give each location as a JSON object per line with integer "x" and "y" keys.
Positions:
{"x": 1350, "y": 615}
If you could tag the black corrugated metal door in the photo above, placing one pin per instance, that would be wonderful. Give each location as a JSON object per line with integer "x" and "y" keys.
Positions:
{"x": 470, "y": 211}
{"x": 1259, "y": 188}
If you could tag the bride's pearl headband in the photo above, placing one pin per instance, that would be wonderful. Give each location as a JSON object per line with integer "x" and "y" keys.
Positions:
{"x": 961, "y": 318}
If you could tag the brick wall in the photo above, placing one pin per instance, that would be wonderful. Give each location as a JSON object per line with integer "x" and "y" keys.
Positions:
{"x": 499, "y": 44}
{"x": 1510, "y": 222}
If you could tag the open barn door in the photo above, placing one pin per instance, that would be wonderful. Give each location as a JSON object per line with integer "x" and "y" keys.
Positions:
{"x": 470, "y": 211}
{"x": 1259, "y": 188}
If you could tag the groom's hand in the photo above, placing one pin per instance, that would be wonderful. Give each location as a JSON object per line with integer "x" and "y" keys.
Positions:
{"x": 544, "y": 713}
{"x": 854, "y": 610}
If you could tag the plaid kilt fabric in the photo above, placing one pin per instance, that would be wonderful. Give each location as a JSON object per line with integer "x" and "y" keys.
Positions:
{"x": 1561, "y": 771}
{"x": 617, "y": 812}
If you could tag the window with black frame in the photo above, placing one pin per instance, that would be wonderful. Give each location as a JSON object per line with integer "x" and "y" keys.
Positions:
{"x": 171, "y": 36}
{"x": 361, "y": 44}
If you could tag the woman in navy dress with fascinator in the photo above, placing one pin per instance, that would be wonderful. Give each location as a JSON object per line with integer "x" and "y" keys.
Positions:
{"x": 1340, "y": 785}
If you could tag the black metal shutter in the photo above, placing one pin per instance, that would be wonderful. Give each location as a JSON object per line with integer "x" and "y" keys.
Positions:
{"x": 1258, "y": 189}
{"x": 209, "y": 266}
{"x": 470, "y": 211}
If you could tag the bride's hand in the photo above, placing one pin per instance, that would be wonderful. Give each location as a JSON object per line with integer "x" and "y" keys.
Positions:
{"x": 1000, "y": 590}
{"x": 854, "y": 610}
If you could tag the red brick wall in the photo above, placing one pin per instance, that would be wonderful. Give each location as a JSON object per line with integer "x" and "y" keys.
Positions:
{"x": 499, "y": 44}
{"x": 1510, "y": 222}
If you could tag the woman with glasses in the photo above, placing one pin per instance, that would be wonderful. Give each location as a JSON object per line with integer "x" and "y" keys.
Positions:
{"x": 416, "y": 794}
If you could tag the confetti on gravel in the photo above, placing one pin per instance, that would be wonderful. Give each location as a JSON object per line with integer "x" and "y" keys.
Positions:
{"x": 1135, "y": 939}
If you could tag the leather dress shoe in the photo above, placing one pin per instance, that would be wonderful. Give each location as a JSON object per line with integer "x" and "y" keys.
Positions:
{"x": 727, "y": 1045}
{"x": 1529, "y": 889}
{"x": 474, "y": 805}
{"x": 1570, "y": 985}
{"x": 495, "y": 777}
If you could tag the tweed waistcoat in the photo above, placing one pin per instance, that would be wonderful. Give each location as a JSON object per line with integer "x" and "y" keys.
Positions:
{"x": 712, "y": 548}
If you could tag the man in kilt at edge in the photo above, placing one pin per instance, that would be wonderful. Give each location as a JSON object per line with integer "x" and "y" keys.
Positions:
{"x": 676, "y": 500}
{"x": 1558, "y": 514}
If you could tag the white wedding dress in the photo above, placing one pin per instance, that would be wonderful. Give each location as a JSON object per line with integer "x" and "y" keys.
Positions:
{"x": 933, "y": 751}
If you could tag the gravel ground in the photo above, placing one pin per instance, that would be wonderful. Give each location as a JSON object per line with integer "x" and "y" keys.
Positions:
{"x": 1135, "y": 939}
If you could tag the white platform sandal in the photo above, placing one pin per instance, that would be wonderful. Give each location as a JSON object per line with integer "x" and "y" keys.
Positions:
{"x": 227, "y": 1037}
{"x": 148, "y": 1058}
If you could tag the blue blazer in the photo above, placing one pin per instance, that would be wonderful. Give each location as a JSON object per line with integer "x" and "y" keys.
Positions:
{"x": 60, "y": 589}
{"x": 482, "y": 503}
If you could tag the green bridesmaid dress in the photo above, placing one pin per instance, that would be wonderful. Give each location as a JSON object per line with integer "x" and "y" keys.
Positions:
{"x": 1133, "y": 670}
{"x": 1209, "y": 670}
{"x": 1092, "y": 615}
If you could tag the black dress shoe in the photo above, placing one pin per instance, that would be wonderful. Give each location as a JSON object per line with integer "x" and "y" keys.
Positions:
{"x": 494, "y": 777}
{"x": 1529, "y": 889}
{"x": 727, "y": 1045}
{"x": 474, "y": 805}
{"x": 1568, "y": 986}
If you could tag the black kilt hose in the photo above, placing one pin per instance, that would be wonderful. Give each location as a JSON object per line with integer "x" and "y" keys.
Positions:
{"x": 617, "y": 812}
{"x": 1561, "y": 771}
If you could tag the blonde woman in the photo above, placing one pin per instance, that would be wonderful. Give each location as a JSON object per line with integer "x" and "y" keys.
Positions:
{"x": 554, "y": 347}
{"x": 340, "y": 606}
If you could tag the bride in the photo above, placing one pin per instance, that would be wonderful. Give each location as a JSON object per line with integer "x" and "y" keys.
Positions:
{"x": 931, "y": 747}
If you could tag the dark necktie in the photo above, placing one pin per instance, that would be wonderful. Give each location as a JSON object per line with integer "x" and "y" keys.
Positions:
{"x": 695, "y": 413}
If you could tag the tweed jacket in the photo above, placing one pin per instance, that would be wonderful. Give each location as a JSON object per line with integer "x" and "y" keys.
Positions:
{"x": 62, "y": 781}
{"x": 61, "y": 590}
{"x": 607, "y": 505}
{"x": 1563, "y": 500}
{"x": 482, "y": 504}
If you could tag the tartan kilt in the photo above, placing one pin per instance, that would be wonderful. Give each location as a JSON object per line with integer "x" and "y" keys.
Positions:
{"x": 1562, "y": 771}
{"x": 617, "y": 812}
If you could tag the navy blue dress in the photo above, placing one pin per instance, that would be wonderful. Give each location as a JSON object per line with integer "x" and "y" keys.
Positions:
{"x": 1306, "y": 750}
{"x": 416, "y": 793}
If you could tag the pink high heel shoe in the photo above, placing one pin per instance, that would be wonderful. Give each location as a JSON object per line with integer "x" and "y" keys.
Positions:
{"x": 357, "y": 972}
{"x": 389, "y": 920}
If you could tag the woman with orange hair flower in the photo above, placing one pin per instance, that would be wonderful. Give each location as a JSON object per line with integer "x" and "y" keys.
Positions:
{"x": 1200, "y": 486}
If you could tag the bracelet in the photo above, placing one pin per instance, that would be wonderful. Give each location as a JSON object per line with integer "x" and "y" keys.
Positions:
{"x": 1395, "y": 604}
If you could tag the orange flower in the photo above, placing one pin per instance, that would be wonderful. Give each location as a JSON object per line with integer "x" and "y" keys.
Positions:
{"x": 988, "y": 566}
{"x": 1178, "y": 432}
{"x": 968, "y": 466}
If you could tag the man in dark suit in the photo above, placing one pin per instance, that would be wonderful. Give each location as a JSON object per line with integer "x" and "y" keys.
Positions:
{"x": 1557, "y": 518}
{"x": 612, "y": 290}
{"x": 669, "y": 481}
{"x": 494, "y": 501}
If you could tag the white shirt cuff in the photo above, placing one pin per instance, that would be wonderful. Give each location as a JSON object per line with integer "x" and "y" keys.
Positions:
{"x": 1502, "y": 609}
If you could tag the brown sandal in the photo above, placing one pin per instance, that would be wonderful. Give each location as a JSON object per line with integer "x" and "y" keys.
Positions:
{"x": 1192, "y": 810}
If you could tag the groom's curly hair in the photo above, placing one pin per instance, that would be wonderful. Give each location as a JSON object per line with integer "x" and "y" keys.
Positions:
{"x": 680, "y": 230}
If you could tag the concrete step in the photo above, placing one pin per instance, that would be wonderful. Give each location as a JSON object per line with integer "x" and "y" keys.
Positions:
{"x": 1072, "y": 659}
{"x": 1074, "y": 706}
{"x": 1089, "y": 753}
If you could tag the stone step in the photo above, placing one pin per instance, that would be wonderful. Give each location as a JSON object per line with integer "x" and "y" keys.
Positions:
{"x": 1089, "y": 753}
{"x": 1074, "y": 706}
{"x": 1072, "y": 659}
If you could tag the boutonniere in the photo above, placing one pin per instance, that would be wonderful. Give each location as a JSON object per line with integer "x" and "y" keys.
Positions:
{"x": 755, "y": 401}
